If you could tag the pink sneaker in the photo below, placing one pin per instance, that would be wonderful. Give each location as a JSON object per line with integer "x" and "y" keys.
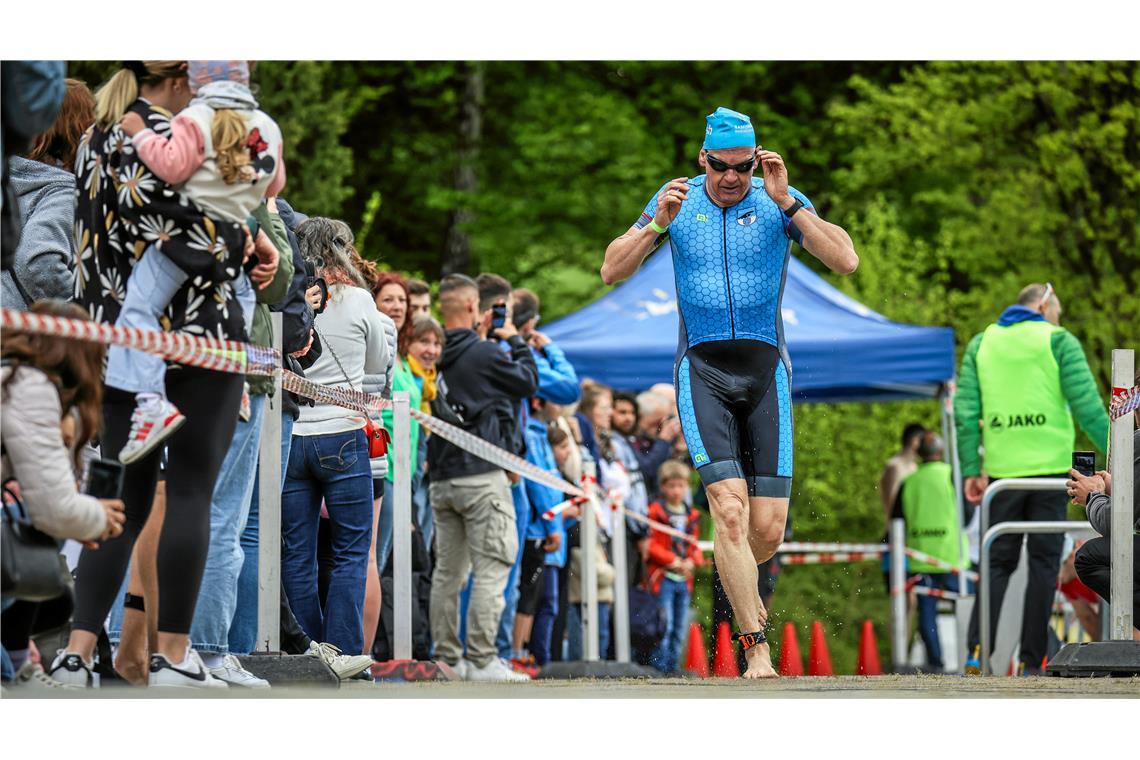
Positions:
{"x": 150, "y": 426}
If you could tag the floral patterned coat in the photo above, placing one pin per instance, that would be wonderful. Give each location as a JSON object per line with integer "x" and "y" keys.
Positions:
{"x": 123, "y": 208}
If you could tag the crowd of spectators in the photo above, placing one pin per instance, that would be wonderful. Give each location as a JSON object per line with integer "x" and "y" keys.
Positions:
{"x": 158, "y": 202}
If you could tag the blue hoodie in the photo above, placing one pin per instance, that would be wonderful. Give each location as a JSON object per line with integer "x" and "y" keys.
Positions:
{"x": 1018, "y": 313}
{"x": 542, "y": 498}
{"x": 557, "y": 380}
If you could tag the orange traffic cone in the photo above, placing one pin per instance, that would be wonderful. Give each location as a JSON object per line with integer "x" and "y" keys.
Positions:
{"x": 819, "y": 659}
{"x": 868, "y": 652}
{"x": 791, "y": 663}
{"x": 724, "y": 658}
{"x": 697, "y": 662}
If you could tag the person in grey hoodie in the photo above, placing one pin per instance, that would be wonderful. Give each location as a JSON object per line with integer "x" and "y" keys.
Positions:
{"x": 1093, "y": 558}
{"x": 44, "y": 185}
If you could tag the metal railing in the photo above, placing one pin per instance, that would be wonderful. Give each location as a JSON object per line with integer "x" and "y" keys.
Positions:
{"x": 991, "y": 535}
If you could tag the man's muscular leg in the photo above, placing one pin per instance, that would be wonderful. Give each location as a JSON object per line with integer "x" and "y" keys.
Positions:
{"x": 767, "y": 517}
{"x": 736, "y": 564}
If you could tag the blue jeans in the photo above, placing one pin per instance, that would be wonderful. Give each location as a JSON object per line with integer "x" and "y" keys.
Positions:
{"x": 229, "y": 508}
{"x": 384, "y": 541}
{"x": 153, "y": 283}
{"x": 419, "y": 504}
{"x": 574, "y": 631}
{"x": 334, "y": 468}
{"x": 511, "y": 592}
{"x": 674, "y": 600}
{"x": 543, "y": 626}
{"x": 243, "y": 629}
{"x": 928, "y": 615}
{"x": 421, "y": 507}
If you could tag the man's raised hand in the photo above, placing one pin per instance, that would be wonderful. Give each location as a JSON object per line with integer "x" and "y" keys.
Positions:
{"x": 669, "y": 201}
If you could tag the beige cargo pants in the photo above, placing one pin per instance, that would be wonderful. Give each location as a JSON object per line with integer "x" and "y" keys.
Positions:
{"x": 475, "y": 531}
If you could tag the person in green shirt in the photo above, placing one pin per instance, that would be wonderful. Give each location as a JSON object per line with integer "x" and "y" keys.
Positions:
{"x": 927, "y": 504}
{"x": 1024, "y": 382}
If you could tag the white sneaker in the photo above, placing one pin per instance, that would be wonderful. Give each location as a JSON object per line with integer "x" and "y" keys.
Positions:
{"x": 344, "y": 665}
{"x": 234, "y": 674}
{"x": 461, "y": 668}
{"x": 151, "y": 424}
{"x": 495, "y": 670}
{"x": 194, "y": 675}
{"x": 32, "y": 676}
{"x": 70, "y": 669}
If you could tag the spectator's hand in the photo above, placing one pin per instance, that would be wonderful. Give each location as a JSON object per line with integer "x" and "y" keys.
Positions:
{"x": 271, "y": 203}
{"x": 115, "y": 517}
{"x": 1107, "y": 478}
{"x": 1080, "y": 486}
{"x": 572, "y": 512}
{"x": 267, "y": 256}
{"x": 670, "y": 430}
{"x": 976, "y": 488}
{"x": 552, "y": 543}
{"x": 538, "y": 341}
{"x": 513, "y": 477}
{"x": 669, "y": 201}
{"x": 305, "y": 350}
{"x": 132, "y": 123}
{"x": 249, "y": 247}
{"x": 313, "y": 296}
{"x": 506, "y": 332}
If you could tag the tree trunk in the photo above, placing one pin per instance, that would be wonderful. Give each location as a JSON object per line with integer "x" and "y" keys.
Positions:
{"x": 457, "y": 254}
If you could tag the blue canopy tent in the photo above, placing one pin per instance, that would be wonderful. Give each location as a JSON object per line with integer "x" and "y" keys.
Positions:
{"x": 840, "y": 349}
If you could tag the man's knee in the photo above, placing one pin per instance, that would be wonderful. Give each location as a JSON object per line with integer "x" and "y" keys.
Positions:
{"x": 729, "y": 507}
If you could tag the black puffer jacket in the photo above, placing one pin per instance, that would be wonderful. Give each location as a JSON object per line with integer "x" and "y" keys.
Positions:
{"x": 483, "y": 385}
{"x": 296, "y": 314}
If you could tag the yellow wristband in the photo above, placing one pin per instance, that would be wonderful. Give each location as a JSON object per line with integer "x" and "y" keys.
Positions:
{"x": 653, "y": 225}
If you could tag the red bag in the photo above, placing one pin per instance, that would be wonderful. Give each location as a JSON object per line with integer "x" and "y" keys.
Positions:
{"x": 378, "y": 439}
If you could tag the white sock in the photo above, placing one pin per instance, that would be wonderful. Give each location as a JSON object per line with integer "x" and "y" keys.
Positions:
{"x": 212, "y": 659}
{"x": 147, "y": 400}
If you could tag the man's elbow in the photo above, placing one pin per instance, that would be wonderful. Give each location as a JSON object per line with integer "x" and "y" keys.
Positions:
{"x": 609, "y": 276}
{"x": 848, "y": 262}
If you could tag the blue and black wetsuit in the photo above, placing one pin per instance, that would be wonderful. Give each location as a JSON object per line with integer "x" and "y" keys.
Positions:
{"x": 732, "y": 374}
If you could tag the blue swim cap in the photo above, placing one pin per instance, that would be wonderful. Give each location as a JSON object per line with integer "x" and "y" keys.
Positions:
{"x": 728, "y": 129}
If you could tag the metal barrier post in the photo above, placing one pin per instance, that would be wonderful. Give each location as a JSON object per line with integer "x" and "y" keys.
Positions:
{"x": 1120, "y": 580}
{"x": 1050, "y": 526}
{"x": 621, "y": 590}
{"x": 898, "y": 594}
{"x": 401, "y": 528}
{"x": 269, "y": 512}
{"x": 950, "y": 436}
{"x": 588, "y": 535}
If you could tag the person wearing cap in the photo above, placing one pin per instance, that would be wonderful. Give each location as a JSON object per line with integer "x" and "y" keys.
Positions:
{"x": 731, "y": 235}
{"x": 1023, "y": 381}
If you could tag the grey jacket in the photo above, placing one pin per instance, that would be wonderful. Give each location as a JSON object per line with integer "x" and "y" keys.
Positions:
{"x": 382, "y": 384}
{"x": 44, "y": 263}
{"x": 1099, "y": 507}
{"x": 34, "y": 454}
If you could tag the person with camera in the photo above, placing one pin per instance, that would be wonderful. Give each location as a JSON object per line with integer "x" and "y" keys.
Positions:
{"x": 481, "y": 387}
{"x": 48, "y": 383}
{"x": 1026, "y": 383}
{"x": 1093, "y": 563}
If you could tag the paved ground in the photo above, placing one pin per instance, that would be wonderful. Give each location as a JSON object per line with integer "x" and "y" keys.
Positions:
{"x": 839, "y": 687}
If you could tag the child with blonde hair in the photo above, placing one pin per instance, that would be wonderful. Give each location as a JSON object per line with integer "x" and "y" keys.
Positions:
{"x": 226, "y": 156}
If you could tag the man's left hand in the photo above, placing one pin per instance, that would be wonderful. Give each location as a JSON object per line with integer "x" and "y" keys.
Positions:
{"x": 538, "y": 341}
{"x": 262, "y": 274}
{"x": 1081, "y": 486}
{"x": 775, "y": 176}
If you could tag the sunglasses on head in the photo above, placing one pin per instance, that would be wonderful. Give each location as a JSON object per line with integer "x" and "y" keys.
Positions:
{"x": 717, "y": 165}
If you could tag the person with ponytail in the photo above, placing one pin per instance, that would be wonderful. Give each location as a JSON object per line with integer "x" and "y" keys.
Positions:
{"x": 225, "y": 155}
{"x": 122, "y": 209}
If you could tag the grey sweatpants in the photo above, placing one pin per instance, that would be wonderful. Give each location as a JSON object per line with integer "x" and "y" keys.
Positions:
{"x": 475, "y": 531}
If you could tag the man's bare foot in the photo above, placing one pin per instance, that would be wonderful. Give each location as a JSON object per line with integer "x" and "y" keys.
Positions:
{"x": 759, "y": 660}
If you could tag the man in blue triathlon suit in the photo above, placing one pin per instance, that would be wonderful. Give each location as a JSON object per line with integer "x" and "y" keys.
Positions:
{"x": 732, "y": 236}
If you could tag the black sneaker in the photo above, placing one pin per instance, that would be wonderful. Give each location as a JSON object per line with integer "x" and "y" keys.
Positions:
{"x": 69, "y": 669}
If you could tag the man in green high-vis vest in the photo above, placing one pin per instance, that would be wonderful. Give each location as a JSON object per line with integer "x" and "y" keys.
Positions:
{"x": 926, "y": 502}
{"x": 1023, "y": 382}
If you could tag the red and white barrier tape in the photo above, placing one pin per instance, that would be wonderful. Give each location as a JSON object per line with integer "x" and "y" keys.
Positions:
{"x": 828, "y": 558}
{"x": 940, "y": 593}
{"x": 942, "y": 564}
{"x": 206, "y": 353}
{"x": 1124, "y": 401}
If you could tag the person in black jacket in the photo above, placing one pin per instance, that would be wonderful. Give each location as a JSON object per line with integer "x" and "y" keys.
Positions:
{"x": 471, "y": 497}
